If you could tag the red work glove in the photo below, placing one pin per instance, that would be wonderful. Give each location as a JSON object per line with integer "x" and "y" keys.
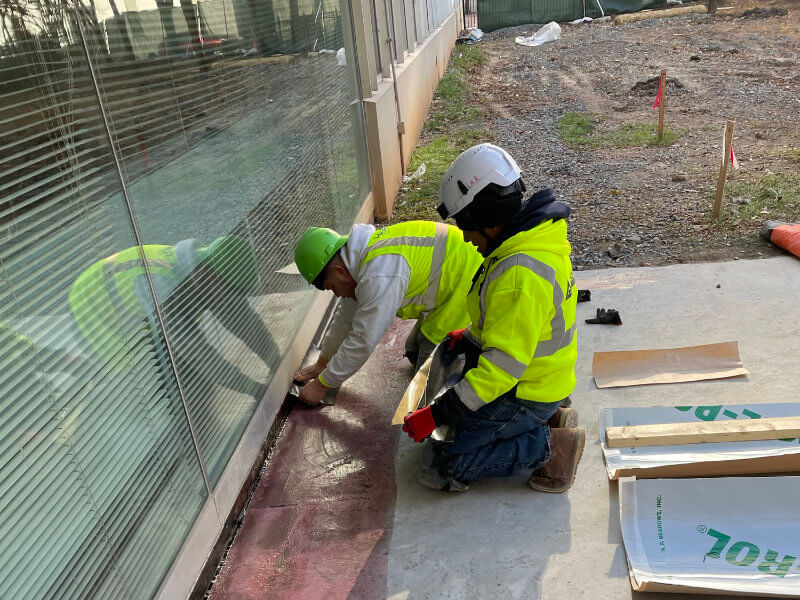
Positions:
{"x": 454, "y": 337}
{"x": 419, "y": 424}
{"x": 454, "y": 343}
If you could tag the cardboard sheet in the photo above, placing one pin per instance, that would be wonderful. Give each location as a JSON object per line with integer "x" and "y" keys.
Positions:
{"x": 697, "y": 460}
{"x": 733, "y": 535}
{"x": 670, "y": 365}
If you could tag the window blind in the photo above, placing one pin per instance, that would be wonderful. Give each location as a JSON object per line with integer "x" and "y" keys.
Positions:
{"x": 213, "y": 133}
{"x": 95, "y": 455}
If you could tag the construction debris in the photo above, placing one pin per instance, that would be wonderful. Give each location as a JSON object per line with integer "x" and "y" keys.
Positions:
{"x": 470, "y": 36}
{"x": 548, "y": 33}
{"x": 764, "y": 13}
{"x": 650, "y": 86}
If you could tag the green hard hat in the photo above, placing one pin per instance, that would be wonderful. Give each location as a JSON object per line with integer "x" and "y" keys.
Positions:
{"x": 233, "y": 259}
{"x": 314, "y": 249}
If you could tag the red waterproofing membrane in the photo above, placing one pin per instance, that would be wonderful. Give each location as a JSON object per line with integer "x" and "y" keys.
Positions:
{"x": 320, "y": 522}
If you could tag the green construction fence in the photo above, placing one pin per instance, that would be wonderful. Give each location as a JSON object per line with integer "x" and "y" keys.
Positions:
{"x": 495, "y": 14}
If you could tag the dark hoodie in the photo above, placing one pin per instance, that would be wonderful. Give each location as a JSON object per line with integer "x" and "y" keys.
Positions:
{"x": 540, "y": 207}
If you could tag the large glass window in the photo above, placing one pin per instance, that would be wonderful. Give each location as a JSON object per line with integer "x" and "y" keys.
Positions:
{"x": 96, "y": 460}
{"x": 158, "y": 160}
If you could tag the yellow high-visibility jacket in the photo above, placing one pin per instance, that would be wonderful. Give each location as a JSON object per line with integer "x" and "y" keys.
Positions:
{"x": 523, "y": 308}
{"x": 415, "y": 270}
{"x": 442, "y": 265}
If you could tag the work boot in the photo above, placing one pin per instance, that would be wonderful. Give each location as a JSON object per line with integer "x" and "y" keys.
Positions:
{"x": 436, "y": 480}
{"x": 563, "y": 417}
{"x": 557, "y": 475}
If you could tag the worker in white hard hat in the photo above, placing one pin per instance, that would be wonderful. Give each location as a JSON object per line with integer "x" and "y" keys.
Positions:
{"x": 521, "y": 347}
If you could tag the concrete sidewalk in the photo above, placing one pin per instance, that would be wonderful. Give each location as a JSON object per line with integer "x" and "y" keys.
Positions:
{"x": 500, "y": 539}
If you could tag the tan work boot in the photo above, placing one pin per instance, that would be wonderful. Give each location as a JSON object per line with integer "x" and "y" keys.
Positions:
{"x": 563, "y": 417}
{"x": 566, "y": 448}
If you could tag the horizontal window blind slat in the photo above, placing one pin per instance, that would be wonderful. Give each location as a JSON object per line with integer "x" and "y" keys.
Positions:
{"x": 30, "y": 155}
{"x": 25, "y": 175}
{"x": 39, "y": 105}
{"x": 45, "y": 224}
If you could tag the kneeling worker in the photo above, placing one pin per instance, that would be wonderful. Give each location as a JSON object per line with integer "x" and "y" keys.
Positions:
{"x": 521, "y": 347}
{"x": 416, "y": 270}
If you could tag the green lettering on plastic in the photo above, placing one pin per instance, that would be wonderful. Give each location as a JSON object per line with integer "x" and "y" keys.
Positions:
{"x": 683, "y": 408}
{"x": 707, "y": 413}
{"x": 733, "y": 554}
{"x": 771, "y": 566}
{"x": 719, "y": 545}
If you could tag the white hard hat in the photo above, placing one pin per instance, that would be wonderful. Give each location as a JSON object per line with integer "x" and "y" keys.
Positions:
{"x": 473, "y": 171}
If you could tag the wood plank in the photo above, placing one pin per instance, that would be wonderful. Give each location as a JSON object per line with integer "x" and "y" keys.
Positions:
{"x": 657, "y": 14}
{"x": 737, "y": 430}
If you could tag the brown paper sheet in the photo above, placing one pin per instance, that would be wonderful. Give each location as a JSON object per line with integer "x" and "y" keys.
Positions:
{"x": 670, "y": 365}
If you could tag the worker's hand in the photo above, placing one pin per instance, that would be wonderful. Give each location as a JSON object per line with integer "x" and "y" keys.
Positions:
{"x": 313, "y": 392}
{"x": 419, "y": 424}
{"x": 311, "y": 371}
{"x": 454, "y": 343}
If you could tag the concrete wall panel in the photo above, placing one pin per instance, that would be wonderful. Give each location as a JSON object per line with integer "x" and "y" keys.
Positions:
{"x": 416, "y": 82}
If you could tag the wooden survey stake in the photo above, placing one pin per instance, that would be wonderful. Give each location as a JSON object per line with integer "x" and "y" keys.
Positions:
{"x": 670, "y": 434}
{"x": 723, "y": 170}
{"x": 662, "y": 85}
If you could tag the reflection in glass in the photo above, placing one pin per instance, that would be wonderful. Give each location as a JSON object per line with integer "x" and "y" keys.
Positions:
{"x": 232, "y": 117}
{"x": 224, "y": 127}
{"x": 98, "y": 475}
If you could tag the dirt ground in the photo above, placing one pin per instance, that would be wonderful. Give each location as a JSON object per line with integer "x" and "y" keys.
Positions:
{"x": 652, "y": 205}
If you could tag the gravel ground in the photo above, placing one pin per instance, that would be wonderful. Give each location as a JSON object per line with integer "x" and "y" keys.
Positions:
{"x": 651, "y": 205}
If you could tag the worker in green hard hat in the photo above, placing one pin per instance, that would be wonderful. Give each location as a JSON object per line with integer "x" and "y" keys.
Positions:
{"x": 314, "y": 251}
{"x": 415, "y": 270}
{"x": 112, "y": 300}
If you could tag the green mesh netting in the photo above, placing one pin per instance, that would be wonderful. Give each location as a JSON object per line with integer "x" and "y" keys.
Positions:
{"x": 494, "y": 14}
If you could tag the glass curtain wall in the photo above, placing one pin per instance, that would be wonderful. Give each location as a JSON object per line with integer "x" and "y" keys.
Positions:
{"x": 158, "y": 160}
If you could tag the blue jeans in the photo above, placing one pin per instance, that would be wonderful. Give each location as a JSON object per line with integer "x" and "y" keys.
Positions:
{"x": 498, "y": 440}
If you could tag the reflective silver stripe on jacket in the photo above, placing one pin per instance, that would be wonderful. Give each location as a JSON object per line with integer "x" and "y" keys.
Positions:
{"x": 439, "y": 243}
{"x": 561, "y": 337}
{"x": 471, "y": 338}
{"x": 468, "y": 396}
{"x": 505, "y": 361}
